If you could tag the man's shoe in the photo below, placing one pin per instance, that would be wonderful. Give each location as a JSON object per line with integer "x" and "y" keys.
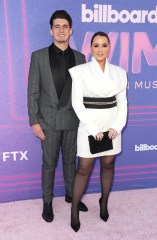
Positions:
{"x": 68, "y": 199}
{"x": 82, "y": 207}
{"x": 47, "y": 214}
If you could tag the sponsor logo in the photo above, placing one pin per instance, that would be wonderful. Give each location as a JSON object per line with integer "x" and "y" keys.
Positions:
{"x": 105, "y": 13}
{"x": 14, "y": 156}
{"x": 145, "y": 147}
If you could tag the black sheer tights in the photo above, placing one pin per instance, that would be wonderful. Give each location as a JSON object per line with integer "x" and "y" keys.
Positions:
{"x": 106, "y": 176}
{"x": 81, "y": 179}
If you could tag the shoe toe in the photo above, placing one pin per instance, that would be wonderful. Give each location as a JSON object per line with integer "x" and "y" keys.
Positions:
{"x": 48, "y": 218}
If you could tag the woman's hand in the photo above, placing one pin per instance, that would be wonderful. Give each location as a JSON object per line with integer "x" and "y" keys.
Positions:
{"x": 99, "y": 136}
{"x": 112, "y": 133}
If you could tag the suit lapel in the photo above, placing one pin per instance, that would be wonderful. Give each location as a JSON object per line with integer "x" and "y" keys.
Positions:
{"x": 68, "y": 83}
{"x": 53, "y": 69}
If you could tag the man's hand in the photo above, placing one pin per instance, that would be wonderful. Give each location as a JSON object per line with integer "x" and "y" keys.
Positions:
{"x": 38, "y": 131}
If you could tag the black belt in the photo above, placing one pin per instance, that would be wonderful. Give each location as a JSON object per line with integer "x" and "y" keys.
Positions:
{"x": 99, "y": 103}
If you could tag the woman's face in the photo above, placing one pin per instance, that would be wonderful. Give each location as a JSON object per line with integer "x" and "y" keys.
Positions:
{"x": 100, "y": 48}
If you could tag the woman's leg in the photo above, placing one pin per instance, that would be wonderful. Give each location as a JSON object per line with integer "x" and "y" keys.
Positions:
{"x": 81, "y": 178}
{"x": 106, "y": 175}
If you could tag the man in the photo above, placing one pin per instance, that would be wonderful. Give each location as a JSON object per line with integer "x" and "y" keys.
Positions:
{"x": 50, "y": 111}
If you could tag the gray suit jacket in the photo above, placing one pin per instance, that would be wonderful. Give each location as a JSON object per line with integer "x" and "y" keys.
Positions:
{"x": 43, "y": 103}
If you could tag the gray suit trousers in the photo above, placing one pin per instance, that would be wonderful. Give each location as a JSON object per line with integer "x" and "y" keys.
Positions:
{"x": 56, "y": 140}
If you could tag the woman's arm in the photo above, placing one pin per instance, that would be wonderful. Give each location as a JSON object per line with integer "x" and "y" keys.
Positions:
{"x": 121, "y": 106}
{"x": 77, "y": 101}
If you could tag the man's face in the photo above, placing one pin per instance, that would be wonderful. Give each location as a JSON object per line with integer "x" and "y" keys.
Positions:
{"x": 61, "y": 31}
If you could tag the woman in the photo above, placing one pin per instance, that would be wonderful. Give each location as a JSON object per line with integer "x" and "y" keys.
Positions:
{"x": 99, "y": 100}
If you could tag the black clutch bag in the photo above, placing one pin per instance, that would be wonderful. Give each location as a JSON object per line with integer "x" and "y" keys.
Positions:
{"x": 100, "y": 146}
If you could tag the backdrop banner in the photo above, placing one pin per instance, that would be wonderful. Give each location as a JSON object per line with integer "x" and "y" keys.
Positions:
{"x": 132, "y": 28}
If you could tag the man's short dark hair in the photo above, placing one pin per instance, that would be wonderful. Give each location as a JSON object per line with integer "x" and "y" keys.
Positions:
{"x": 61, "y": 14}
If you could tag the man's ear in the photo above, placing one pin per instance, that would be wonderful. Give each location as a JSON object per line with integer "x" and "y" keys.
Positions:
{"x": 51, "y": 32}
{"x": 71, "y": 31}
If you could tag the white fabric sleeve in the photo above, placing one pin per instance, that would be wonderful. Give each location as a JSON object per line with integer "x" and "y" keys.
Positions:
{"x": 77, "y": 102}
{"x": 121, "y": 107}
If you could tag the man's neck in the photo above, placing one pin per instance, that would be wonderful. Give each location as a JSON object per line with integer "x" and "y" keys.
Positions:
{"x": 62, "y": 45}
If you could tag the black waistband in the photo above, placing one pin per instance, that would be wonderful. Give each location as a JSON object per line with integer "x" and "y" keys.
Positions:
{"x": 99, "y": 103}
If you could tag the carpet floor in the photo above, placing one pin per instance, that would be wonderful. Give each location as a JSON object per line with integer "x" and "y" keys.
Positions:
{"x": 133, "y": 216}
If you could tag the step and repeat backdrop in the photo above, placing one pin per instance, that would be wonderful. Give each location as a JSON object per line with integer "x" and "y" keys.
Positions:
{"x": 132, "y": 28}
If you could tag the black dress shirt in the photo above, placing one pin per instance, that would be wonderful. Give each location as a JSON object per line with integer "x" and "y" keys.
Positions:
{"x": 60, "y": 64}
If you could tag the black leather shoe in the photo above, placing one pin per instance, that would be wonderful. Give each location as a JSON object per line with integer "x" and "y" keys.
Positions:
{"x": 82, "y": 207}
{"x": 103, "y": 216}
{"x": 68, "y": 199}
{"x": 47, "y": 214}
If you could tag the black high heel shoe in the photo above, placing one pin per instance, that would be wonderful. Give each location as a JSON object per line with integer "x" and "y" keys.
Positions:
{"x": 103, "y": 216}
{"x": 75, "y": 226}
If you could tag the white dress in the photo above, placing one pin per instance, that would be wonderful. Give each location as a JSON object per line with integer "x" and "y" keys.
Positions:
{"x": 88, "y": 80}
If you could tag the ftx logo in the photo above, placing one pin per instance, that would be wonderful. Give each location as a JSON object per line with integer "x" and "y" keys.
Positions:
{"x": 14, "y": 156}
